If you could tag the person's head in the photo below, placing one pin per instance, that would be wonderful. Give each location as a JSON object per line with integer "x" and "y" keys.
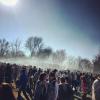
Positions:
{"x": 34, "y": 67}
{"x": 98, "y": 76}
{"x": 63, "y": 80}
{"x": 23, "y": 71}
{"x": 43, "y": 77}
{"x": 67, "y": 79}
{"x": 39, "y": 70}
{"x": 6, "y": 92}
{"x": 52, "y": 76}
{"x": 55, "y": 71}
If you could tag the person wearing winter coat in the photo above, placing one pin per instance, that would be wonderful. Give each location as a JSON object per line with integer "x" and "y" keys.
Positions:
{"x": 52, "y": 88}
{"x": 23, "y": 81}
{"x": 41, "y": 88}
{"x": 96, "y": 89}
{"x": 65, "y": 91}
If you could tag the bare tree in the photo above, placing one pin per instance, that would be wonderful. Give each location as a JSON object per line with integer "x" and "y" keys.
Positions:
{"x": 4, "y": 47}
{"x": 34, "y": 44}
{"x": 45, "y": 52}
{"x": 85, "y": 64}
{"x": 96, "y": 63}
{"x": 72, "y": 62}
{"x": 17, "y": 46}
{"x": 59, "y": 56}
{"x": 79, "y": 63}
{"x": 15, "y": 49}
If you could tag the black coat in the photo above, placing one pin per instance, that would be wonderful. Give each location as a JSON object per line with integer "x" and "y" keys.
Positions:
{"x": 65, "y": 92}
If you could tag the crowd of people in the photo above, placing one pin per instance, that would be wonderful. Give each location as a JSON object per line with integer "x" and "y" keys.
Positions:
{"x": 49, "y": 84}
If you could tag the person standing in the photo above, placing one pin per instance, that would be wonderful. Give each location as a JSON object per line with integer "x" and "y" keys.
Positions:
{"x": 83, "y": 86}
{"x": 65, "y": 91}
{"x": 41, "y": 88}
{"x": 52, "y": 88}
{"x": 23, "y": 81}
{"x": 96, "y": 89}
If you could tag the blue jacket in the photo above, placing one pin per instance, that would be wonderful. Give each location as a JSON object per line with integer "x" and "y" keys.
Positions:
{"x": 23, "y": 81}
{"x": 40, "y": 91}
{"x": 52, "y": 90}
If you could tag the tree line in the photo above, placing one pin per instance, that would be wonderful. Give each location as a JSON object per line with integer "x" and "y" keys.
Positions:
{"x": 12, "y": 49}
{"x": 34, "y": 45}
{"x": 37, "y": 48}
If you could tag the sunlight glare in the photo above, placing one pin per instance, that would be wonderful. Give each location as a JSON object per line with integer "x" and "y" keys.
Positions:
{"x": 8, "y": 2}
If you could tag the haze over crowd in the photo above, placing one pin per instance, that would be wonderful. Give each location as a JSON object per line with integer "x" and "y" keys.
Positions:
{"x": 38, "y": 54}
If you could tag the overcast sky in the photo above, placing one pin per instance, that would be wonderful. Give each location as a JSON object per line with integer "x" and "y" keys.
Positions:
{"x": 73, "y": 25}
